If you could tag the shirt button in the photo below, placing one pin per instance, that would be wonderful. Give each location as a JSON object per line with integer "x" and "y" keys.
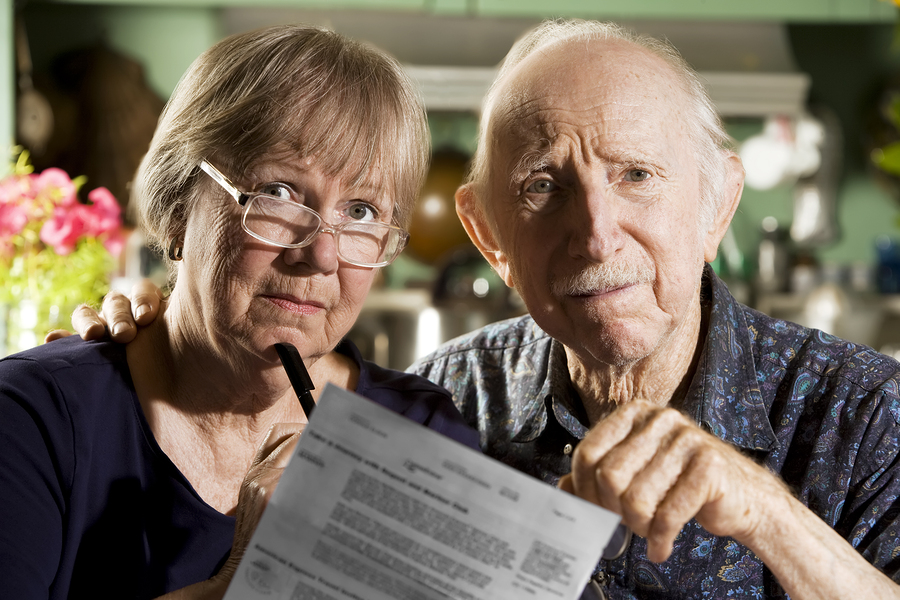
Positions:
{"x": 567, "y": 449}
{"x": 601, "y": 578}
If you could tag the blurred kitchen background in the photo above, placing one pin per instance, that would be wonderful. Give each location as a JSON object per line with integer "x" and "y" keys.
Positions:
{"x": 808, "y": 88}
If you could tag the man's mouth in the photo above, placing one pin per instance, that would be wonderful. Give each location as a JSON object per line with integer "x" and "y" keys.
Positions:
{"x": 586, "y": 293}
{"x": 599, "y": 280}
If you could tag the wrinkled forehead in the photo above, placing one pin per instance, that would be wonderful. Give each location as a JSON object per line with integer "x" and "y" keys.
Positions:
{"x": 580, "y": 85}
{"x": 352, "y": 169}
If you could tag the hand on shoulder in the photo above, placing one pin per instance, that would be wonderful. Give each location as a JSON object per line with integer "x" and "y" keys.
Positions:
{"x": 119, "y": 317}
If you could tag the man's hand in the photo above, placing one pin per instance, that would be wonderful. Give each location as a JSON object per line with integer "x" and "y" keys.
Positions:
{"x": 117, "y": 313}
{"x": 659, "y": 470}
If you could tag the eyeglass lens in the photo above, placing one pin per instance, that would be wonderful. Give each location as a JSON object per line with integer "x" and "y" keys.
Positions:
{"x": 287, "y": 223}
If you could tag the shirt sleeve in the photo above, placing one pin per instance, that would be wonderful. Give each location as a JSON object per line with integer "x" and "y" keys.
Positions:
{"x": 870, "y": 519}
{"x": 37, "y": 459}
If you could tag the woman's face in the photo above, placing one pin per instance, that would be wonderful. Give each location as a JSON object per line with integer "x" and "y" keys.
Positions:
{"x": 246, "y": 295}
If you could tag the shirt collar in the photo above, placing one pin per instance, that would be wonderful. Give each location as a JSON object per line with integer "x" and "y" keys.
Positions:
{"x": 566, "y": 403}
{"x": 555, "y": 393}
{"x": 723, "y": 397}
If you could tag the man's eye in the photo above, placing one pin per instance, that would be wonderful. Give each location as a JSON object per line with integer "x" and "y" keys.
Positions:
{"x": 361, "y": 212}
{"x": 542, "y": 186}
{"x": 637, "y": 175}
{"x": 277, "y": 189}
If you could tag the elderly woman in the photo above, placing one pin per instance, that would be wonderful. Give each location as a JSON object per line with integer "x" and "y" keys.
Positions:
{"x": 281, "y": 174}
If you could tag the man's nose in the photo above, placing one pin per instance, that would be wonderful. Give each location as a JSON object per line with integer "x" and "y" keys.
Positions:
{"x": 595, "y": 224}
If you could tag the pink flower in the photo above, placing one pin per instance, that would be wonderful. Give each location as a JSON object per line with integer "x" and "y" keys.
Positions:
{"x": 114, "y": 242}
{"x": 50, "y": 200}
{"x": 13, "y": 218}
{"x": 56, "y": 184}
{"x": 72, "y": 220}
{"x": 105, "y": 213}
{"x": 65, "y": 227}
{"x": 15, "y": 189}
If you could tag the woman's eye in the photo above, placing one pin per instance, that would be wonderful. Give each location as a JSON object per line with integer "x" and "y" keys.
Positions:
{"x": 637, "y": 175}
{"x": 361, "y": 211}
{"x": 278, "y": 190}
{"x": 542, "y": 186}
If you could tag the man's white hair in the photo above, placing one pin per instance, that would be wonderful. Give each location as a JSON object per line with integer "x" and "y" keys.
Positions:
{"x": 705, "y": 128}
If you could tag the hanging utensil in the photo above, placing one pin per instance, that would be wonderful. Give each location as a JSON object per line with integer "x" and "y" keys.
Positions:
{"x": 34, "y": 116}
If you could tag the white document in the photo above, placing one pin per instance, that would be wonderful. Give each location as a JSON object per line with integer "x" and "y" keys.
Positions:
{"x": 374, "y": 506}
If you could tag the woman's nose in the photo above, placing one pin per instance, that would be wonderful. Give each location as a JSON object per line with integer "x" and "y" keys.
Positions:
{"x": 321, "y": 254}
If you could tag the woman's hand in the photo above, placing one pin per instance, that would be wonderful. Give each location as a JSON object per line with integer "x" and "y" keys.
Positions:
{"x": 258, "y": 487}
{"x": 117, "y": 313}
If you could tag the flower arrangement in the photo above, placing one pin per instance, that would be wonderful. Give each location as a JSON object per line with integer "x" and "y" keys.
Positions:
{"x": 55, "y": 251}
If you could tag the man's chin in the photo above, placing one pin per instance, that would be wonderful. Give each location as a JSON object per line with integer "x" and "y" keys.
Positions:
{"x": 615, "y": 342}
{"x": 617, "y": 350}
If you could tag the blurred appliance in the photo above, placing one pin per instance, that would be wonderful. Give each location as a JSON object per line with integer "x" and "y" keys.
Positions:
{"x": 396, "y": 327}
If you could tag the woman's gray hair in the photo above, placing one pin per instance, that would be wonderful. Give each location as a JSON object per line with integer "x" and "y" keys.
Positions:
{"x": 295, "y": 88}
{"x": 707, "y": 134}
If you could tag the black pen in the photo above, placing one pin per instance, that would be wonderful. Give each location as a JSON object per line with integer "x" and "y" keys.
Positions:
{"x": 299, "y": 376}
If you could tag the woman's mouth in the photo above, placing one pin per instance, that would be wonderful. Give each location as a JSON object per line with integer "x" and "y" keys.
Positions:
{"x": 295, "y": 305}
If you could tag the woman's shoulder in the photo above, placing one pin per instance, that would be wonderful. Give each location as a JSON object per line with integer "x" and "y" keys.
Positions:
{"x": 67, "y": 385}
{"x": 71, "y": 362}
{"x": 373, "y": 377}
{"x": 410, "y": 395}
{"x": 71, "y": 350}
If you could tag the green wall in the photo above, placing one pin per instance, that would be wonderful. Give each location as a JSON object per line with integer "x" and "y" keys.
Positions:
{"x": 165, "y": 39}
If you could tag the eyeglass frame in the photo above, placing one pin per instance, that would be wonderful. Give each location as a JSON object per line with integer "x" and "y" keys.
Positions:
{"x": 243, "y": 199}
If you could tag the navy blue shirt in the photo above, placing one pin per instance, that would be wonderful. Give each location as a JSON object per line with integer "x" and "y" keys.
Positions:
{"x": 90, "y": 506}
{"x": 820, "y": 411}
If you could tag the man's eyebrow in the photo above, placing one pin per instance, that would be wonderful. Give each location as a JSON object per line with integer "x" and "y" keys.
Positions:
{"x": 533, "y": 157}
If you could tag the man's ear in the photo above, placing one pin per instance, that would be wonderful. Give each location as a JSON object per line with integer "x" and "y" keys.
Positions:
{"x": 734, "y": 187}
{"x": 479, "y": 230}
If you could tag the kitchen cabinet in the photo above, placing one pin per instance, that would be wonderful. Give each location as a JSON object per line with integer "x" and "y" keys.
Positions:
{"x": 794, "y": 10}
{"x": 167, "y": 34}
{"x": 706, "y": 10}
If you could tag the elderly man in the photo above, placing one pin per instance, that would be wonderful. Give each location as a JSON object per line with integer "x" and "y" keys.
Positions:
{"x": 752, "y": 457}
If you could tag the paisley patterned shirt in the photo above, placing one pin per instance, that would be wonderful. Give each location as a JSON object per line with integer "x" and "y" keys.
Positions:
{"x": 821, "y": 412}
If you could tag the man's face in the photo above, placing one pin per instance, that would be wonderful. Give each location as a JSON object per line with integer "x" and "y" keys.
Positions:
{"x": 593, "y": 196}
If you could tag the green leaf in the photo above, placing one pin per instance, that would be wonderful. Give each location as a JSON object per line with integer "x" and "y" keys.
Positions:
{"x": 888, "y": 158}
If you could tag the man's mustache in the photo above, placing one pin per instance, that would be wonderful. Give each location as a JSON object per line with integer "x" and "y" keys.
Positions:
{"x": 598, "y": 278}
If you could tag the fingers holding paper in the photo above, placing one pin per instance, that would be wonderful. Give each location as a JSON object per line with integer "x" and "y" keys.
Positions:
{"x": 265, "y": 471}
{"x": 659, "y": 470}
{"x": 259, "y": 485}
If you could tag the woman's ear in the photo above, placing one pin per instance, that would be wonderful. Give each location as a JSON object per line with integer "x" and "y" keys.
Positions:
{"x": 734, "y": 187}
{"x": 476, "y": 224}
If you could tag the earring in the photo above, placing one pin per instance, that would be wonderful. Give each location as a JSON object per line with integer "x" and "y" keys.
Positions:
{"x": 176, "y": 252}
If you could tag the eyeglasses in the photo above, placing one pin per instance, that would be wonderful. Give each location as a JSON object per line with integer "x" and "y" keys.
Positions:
{"x": 289, "y": 224}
